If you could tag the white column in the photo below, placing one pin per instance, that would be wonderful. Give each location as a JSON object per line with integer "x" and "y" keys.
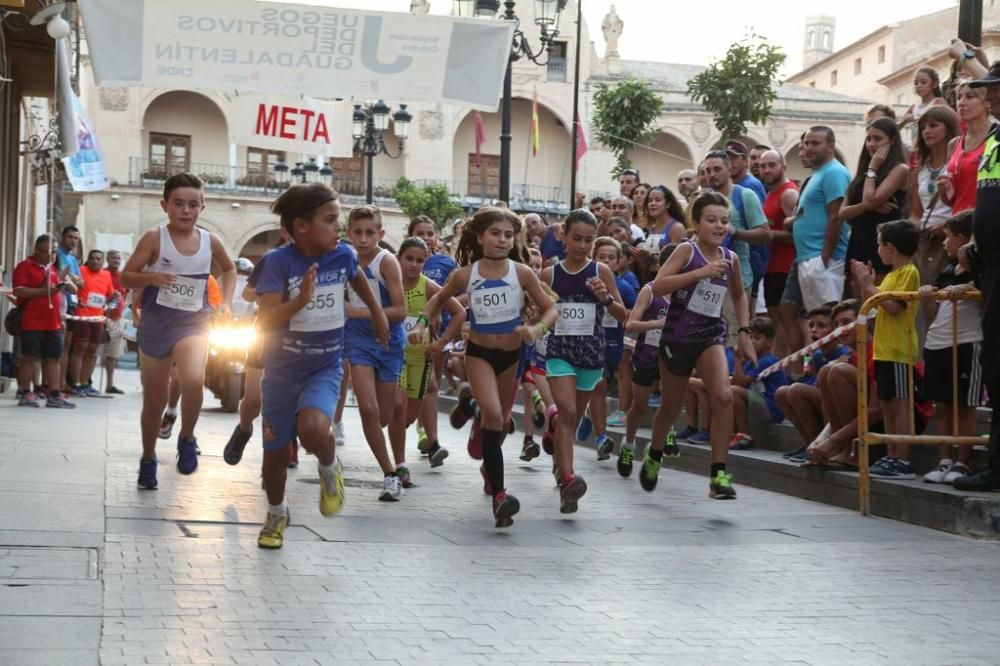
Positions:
{"x": 233, "y": 166}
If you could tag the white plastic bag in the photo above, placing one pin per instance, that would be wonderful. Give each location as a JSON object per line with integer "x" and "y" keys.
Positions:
{"x": 820, "y": 284}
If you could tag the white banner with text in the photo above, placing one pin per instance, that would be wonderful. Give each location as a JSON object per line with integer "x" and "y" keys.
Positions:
{"x": 292, "y": 50}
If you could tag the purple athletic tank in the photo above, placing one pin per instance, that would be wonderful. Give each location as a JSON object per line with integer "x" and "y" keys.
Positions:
{"x": 579, "y": 350}
{"x": 695, "y": 313}
{"x": 646, "y": 354}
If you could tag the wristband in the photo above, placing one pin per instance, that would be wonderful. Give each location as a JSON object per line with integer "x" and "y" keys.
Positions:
{"x": 744, "y": 329}
{"x": 543, "y": 327}
{"x": 611, "y": 299}
{"x": 422, "y": 319}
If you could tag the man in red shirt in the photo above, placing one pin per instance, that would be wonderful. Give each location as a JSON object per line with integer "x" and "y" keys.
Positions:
{"x": 36, "y": 286}
{"x": 779, "y": 205}
{"x": 115, "y": 346}
{"x": 95, "y": 298}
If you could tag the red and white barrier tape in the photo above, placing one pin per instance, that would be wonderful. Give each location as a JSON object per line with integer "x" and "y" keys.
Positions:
{"x": 809, "y": 349}
{"x": 76, "y": 318}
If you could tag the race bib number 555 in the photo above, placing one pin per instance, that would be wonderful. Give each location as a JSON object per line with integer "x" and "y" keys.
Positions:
{"x": 324, "y": 313}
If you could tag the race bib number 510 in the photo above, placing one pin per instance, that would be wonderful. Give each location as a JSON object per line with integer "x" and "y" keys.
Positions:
{"x": 707, "y": 299}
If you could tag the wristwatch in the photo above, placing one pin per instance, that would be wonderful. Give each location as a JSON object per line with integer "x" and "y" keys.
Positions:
{"x": 611, "y": 299}
{"x": 745, "y": 329}
{"x": 871, "y": 173}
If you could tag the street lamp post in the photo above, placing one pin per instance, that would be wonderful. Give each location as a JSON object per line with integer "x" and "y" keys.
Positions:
{"x": 368, "y": 129}
{"x": 547, "y": 14}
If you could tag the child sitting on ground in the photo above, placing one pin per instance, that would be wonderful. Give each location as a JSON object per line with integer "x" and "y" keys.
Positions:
{"x": 755, "y": 405}
{"x": 937, "y": 353}
{"x": 801, "y": 402}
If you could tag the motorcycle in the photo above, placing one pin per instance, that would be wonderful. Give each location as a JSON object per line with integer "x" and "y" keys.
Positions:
{"x": 225, "y": 371}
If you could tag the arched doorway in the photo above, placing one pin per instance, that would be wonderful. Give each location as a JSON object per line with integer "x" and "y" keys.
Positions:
{"x": 660, "y": 161}
{"x": 260, "y": 244}
{"x": 542, "y": 177}
{"x": 185, "y": 131}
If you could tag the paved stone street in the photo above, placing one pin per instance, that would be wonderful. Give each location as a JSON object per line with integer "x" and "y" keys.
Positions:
{"x": 95, "y": 571}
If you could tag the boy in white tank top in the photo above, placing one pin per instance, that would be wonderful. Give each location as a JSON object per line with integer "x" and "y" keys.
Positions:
{"x": 171, "y": 265}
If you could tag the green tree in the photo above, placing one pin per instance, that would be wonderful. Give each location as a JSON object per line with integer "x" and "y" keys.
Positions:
{"x": 623, "y": 117}
{"x": 434, "y": 201}
{"x": 740, "y": 88}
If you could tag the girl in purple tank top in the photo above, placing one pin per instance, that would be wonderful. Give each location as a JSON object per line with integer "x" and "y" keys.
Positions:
{"x": 575, "y": 355}
{"x": 699, "y": 275}
{"x": 646, "y": 322}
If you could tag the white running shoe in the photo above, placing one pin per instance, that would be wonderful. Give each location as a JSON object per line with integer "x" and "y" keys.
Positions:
{"x": 957, "y": 471}
{"x": 938, "y": 474}
{"x": 392, "y": 489}
{"x": 338, "y": 433}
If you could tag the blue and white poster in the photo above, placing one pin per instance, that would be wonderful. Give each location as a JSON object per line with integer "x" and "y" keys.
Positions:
{"x": 85, "y": 168}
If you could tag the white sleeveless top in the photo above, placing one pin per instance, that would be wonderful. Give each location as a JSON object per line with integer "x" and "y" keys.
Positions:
{"x": 926, "y": 178}
{"x": 172, "y": 261}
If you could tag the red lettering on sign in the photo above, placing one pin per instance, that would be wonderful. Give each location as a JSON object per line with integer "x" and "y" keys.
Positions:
{"x": 321, "y": 131}
{"x": 288, "y": 120}
{"x": 267, "y": 119}
{"x": 307, "y": 114}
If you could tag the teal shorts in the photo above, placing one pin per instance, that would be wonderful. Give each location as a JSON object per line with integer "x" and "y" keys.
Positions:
{"x": 586, "y": 378}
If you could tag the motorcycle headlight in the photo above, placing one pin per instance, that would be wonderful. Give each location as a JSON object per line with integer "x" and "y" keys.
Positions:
{"x": 238, "y": 337}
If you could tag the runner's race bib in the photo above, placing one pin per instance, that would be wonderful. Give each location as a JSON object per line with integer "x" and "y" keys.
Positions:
{"x": 324, "y": 313}
{"x": 608, "y": 320}
{"x": 497, "y": 305}
{"x": 187, "y": 294}
{"x": 95, "y": 300}
{"x": 653, "y": 337}
{"x": 576, "y": 318}
{"x": 707, "y": 299}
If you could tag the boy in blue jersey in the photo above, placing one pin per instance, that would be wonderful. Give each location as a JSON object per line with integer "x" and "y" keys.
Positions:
{"x": 755, "y": 405}
{"x": 301, "y": 293}
{"x": 375, "y": 369}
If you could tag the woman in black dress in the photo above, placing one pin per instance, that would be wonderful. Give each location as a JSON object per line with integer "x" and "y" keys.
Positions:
{"x": 876, "y": 195}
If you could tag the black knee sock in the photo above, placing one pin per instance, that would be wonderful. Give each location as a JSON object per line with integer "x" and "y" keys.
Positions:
{"x": 717, "y": 467}
{"x": 654, "y": 454}
{"x": 493, "y": 458}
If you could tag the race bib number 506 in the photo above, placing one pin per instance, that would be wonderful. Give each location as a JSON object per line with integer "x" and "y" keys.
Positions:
{"x": 187, "y": 294}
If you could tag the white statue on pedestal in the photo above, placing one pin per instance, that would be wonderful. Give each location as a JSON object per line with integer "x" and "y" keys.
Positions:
{"x": 612, "y": 27}
{"x": 419, "y": 6}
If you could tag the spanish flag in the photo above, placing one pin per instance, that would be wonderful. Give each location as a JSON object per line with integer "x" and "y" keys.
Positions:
{"x": 534, "y": 126}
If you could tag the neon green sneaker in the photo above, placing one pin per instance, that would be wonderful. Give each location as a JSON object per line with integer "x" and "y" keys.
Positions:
{"x": 670, "y": 449}
{"x": 423, "y": 443}
{"x": 625, "y": 457}
{"x": 649, "y": 473}
{"x": 331, "y": 491}
{"x": 272, "y": 535}
{"x": 721, "y": 486}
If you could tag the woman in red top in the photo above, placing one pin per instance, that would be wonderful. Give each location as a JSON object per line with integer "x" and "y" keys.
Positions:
{"x": 958, "y": 184}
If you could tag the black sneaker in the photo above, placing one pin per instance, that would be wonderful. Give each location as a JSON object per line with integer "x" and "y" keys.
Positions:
{"x": 794, "y": 453}
{"x": 721, "y": 486}
{"x": 604, "y": 446}
{"x": 114, "y": 390}
{"x": 436, "y": 455}
{"x": 233, "y": 452}
{"x": 625, "y": 456}
{"x": 530, "y": 450}
{"x": 649, "y": 472}
{"x": 983, "y": 482}
{"x": 147, "y": 474}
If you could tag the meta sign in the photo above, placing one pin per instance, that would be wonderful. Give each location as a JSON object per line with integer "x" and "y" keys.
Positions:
{"x": 294, "y": 124}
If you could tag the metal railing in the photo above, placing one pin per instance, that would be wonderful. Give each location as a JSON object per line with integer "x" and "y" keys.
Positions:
{"x": 867, "y": 438}
{"x": 525, "y": 197}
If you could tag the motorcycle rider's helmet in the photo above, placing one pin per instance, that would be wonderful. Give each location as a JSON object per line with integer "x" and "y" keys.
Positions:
{"x": 244, "y": 266}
